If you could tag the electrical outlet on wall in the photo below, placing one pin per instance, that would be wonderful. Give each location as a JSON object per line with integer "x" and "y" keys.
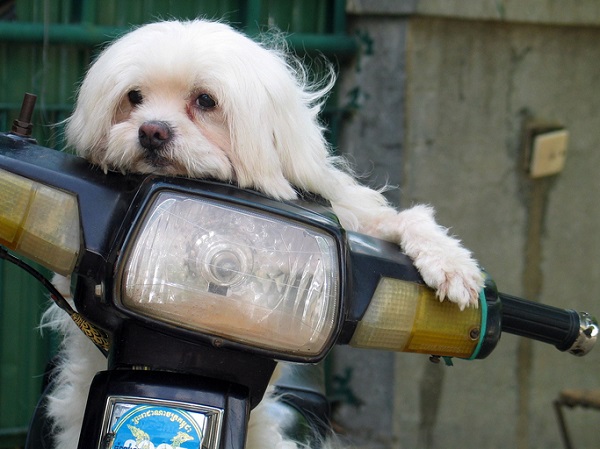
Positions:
{"x": 547, "y": 151}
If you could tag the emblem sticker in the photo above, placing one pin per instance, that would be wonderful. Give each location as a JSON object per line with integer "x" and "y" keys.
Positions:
{"x": 156, "y": 427}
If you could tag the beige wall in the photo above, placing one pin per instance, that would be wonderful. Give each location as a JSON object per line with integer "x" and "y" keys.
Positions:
{"x": 442, "y": 93}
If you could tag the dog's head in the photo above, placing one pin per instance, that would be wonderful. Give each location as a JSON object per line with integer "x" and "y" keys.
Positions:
{"x": 199, "y": 99}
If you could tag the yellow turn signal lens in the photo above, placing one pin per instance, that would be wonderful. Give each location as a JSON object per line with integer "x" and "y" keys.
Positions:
{"x": 408, "y": 317}
{"x": 39, "y": 222}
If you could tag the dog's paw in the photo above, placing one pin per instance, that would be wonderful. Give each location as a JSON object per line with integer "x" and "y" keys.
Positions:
{"x": 454, "y": 275}
{"x": 444, "y": 264}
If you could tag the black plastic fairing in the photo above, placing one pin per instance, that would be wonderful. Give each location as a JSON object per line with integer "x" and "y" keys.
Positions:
{"x": 370, "y": 260}
{"x": 103, "y": 198}
{"x": 167, "y": 386}
{"x": 137, "y": 345}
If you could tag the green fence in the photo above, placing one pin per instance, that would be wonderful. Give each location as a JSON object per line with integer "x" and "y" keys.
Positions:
{"x": 50, "y": 43}
{"x": 22, "y": 352}
{"x": 45, "y": 47}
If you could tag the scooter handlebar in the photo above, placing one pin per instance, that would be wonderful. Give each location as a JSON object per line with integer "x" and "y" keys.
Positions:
{"x": 568, "y": 330}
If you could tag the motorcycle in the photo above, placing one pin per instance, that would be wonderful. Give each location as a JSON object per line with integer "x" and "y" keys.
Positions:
{"x": 195, "y": 290}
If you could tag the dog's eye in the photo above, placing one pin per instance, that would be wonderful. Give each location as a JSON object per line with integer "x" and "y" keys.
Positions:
{"x": 135, "y": 97}
{"x": 205, "y": 101}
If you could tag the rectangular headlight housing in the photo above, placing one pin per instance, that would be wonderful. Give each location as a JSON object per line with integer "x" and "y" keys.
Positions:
{"x": 224, "y": 270}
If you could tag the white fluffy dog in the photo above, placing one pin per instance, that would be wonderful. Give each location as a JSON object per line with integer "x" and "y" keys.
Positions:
{"x": 201, "y": 100}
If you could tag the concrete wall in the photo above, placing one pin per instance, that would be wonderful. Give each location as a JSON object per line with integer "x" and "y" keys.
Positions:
{"x": 442, "y": 91}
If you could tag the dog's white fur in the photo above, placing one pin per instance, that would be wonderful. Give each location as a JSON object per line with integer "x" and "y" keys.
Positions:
{"x": 262, "y": 132}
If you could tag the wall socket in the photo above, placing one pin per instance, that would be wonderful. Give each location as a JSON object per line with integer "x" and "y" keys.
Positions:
{"x": 547, "y": 151}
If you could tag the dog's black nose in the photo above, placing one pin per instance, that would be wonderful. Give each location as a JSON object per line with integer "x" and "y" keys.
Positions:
{"x": 154, "y": 134}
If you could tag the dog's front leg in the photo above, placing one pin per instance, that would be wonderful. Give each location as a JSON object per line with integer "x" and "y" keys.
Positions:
{"x": 443, "y": 262}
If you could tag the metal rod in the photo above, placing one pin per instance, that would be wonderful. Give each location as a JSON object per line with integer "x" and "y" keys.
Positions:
{"x": 88, "y": 35}
{"x": 22, "y": 126}
{"x": 57, "y": 33}
{"x": 562, "y": 424}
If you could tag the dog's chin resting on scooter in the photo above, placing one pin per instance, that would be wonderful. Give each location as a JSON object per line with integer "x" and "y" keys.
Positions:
{"x": 198, "y": 99}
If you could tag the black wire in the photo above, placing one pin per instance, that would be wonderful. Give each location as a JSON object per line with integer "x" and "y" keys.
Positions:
{"x": 99, "y": 338}
{"x": 56, "y": 296}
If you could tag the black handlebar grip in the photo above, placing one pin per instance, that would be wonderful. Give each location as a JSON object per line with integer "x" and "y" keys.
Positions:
{"x": 548, "y": 324}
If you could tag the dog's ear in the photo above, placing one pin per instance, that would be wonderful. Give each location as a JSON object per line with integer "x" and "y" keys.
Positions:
{"x": 86, "y": 129}
{"x": 275, "y": 132}
{"x": 97, "y": 102}
{"x": 255, "y": 157}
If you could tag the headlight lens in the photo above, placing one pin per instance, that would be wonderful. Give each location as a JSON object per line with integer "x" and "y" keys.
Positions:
{"x": 228, "y": 271}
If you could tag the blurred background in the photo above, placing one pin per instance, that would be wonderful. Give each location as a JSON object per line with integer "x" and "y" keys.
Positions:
{"x": 444, "y": 100}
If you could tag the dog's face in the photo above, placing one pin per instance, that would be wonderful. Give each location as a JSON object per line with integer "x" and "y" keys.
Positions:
{"x": 197, "y": 99}
{"x": 165, "y": 126}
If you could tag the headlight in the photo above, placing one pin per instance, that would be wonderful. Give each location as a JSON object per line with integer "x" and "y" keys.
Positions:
{"x": 224, "y": 270}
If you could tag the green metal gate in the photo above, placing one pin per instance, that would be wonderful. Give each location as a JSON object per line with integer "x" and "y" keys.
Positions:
{"x": 45, "y": 47}
{"x": 22, "y": 352}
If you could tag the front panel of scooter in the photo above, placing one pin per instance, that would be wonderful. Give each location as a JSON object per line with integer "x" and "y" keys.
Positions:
{"x": 229, "y": 269}
{"x": 232, "y": 269}
{"x": 149, "y": 409}
{"x": 201, "y": 286}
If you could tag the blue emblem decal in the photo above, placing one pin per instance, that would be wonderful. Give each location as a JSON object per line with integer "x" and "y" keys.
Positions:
{"x": 152, "y": 427}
